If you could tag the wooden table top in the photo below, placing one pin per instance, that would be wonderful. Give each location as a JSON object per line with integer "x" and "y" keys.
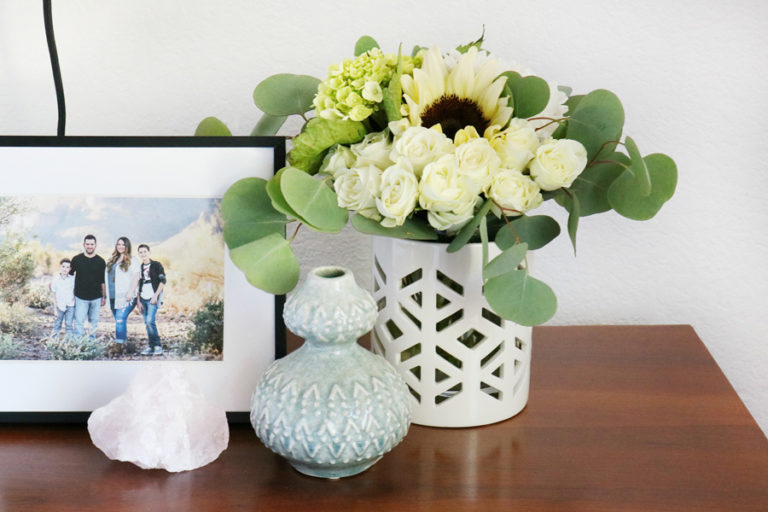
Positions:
{"x": 620, "y": 418}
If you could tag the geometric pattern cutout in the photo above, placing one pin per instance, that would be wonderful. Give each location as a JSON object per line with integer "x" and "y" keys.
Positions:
{"x": 463, "y": 363}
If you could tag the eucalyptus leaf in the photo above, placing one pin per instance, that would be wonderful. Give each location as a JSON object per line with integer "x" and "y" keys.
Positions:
{"x": 393, "y": 94}
{"x": 317, "y": 136}
{"x": 268, "y": 125}
{"x": 562, "y": 129}
{"x": 248, "y": 213}
{"x": 412, "y": 229}
{"x": 276, "y": 195}
{"x": 536, "y": 231}
{"x": 574, "y": 208}
{"x": 212, "y": 127}
{"x": 592, "y": 185}
{"x": 521, "y": 298}
{"x": 416, "y": 49}
{"x": 629, "y": 202}
{"x": 596, "y": 118}
{"x": 364, "y": 44}
{"x": 565, "y": 89}
{"x": 638, "y": 167}
{"x": 530, "y": 94}
{"x": 505, "y": 262}
{"x": 478, "y": 43}
{"x": 314, "y": 202}
{"x": 268, "y": 264}
{"x": 466, "y": 233}
{"x": 286, "y": 94}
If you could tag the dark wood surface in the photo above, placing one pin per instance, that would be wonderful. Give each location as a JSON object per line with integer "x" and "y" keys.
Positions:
{"x": 619, "y": 419}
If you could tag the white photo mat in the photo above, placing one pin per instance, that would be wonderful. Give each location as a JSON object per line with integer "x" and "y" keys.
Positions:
{"x": 175, "y": 167}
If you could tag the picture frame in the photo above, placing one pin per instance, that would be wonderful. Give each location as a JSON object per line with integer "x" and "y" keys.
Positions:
{"x": 176, "y": 167}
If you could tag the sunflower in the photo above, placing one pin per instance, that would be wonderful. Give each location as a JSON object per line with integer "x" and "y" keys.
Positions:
{"x": 455, "y": 98}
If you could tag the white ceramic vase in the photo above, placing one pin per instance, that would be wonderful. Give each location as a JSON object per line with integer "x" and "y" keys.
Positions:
{"x": 465, "y": 365}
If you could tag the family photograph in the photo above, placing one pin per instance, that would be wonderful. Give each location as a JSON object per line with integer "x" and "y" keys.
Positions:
{"x": 87, "y": 278}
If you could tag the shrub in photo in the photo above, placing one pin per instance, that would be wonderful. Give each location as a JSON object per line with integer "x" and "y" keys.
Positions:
{"x": 39, "y": 296}
{"x": 208, "y": 332}
{"x": 16, "y": 269}
{"x": 10, "y": 348}
{"x": 14, "y": 318}
{"x": 69, "y": 348}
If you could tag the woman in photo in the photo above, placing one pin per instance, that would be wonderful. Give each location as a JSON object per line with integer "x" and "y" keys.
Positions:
{"x": 122, "y": 280}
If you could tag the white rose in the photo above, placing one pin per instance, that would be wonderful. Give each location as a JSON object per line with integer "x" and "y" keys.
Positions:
{"x": 374, "y": 149}
{"x": 477, "y": 162}
{"x": 442, "y": 188}
{"x": 421, "y": 146}
{"x": 516, "y": 145}
{"x": 396, "y": 128}
{"x": 514, "y": 192}
{"x": 398, "y": 194}
{"x": 357, "y": 189}
{"x": 338, "y": 161}
{"x": 557, "y": 163}
{"x": 454, "y": 220}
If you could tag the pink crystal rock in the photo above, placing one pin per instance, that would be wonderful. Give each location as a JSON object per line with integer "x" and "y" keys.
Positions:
{"x": 161, "y": 421}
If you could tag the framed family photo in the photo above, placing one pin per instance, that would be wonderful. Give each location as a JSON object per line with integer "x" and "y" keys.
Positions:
{"x": 112, "y": 258}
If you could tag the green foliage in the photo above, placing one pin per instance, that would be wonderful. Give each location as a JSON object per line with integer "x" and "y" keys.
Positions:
{"x": 508, "y": 260}
{"x": 15, "y": 318}
{"x": 536, "y": 231}
{"x": 596, "y": 118}
{"x": 468, "y": 231}
{"x": 268, "y": 264}
{"x": 312, "y": 200}
{"x": 625, "y": 194}
{"x": 529, "y": 94}
{"x": 319, "y": 135}
{"x": 364, "y": 44}
{"x": 248, "y": 213}
{"x": 393, "y": 94}
{"x": 478, "y": 43}
{"x": 268, "y": 125}
{"x": 591, "y": 187}
{"x": 212, "y": 127}
{"x": 413, "y": 228}
{"x": 285, "y": 94}
{"x": 208, "y": 332}
{"x": 17, "y": 266}
{"x": 518, "y": 297}
{"x": 10, "y": 348}
{"x": 39, "y": 297}
{"x": 70, "y": 348}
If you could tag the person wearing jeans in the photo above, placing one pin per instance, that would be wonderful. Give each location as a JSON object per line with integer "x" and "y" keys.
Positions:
{"x": 151, "y": 285}
{"x": 122, "y": 279}
{"x": 90, "y": 292}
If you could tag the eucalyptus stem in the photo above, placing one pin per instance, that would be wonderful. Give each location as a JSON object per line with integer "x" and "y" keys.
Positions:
{"x": 296, "y": 232}
{"x": 602, "y": 147}
{"x": 484, "y": 239}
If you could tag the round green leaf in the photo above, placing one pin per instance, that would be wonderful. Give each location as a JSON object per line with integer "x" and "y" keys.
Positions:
{"x": 286, "y": 94}
{"x": 627, "y": 200}
{"x": 537, "y": 231}
{"x": 530, "y": 94}
{"x": 314, "y": 202}
{"x": 597, "y": 118}
{"x": 592, "y": 185}
{"x": 412, "y": 229}
{"x": 317, "y": 136}
{"x": 248, "y": 213}
{"x": 505, "y": 262}
{"x": 268, "y": 125}
{"x": 268, "y": 264}
{"x": 212, "y": 127}
{"x": 520, "y": 298}
{"x": 276, "y": 195}
{"x": 364, "y": 44}
{"x": 638, "y": 167}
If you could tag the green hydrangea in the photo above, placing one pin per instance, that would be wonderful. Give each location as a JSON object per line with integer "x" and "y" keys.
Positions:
{"x": 354, "y": 87}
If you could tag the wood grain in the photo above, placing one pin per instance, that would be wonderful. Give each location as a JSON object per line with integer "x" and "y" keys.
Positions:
{"x": 620, "y": 418}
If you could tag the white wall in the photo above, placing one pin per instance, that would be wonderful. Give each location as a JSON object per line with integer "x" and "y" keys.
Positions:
{"x": 691, "y": 76}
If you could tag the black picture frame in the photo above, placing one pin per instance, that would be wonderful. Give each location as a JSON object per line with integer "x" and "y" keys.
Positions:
{"x": 275, "y": 145}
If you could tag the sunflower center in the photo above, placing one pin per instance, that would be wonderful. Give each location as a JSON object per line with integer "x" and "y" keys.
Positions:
{"x": 453, "y": 114}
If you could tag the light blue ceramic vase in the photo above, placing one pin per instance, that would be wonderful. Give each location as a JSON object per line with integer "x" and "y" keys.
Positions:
{"x": 331, "y": 407}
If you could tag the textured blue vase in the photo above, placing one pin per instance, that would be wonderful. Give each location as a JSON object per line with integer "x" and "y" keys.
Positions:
{"x": 331, "y": 407}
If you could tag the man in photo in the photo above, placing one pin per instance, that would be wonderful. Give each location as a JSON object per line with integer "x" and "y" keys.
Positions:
{"x": 90, "y": 290}
{"x": 151, "y": 285}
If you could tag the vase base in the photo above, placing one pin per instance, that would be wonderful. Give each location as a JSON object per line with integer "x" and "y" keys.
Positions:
{"x": 332, "y": 472}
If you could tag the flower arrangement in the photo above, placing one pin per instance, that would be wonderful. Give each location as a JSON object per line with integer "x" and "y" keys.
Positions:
{"x": 429, "y": 146}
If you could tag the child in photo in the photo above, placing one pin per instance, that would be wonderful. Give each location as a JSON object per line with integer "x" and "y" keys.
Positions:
{"x": 63, "y": 290}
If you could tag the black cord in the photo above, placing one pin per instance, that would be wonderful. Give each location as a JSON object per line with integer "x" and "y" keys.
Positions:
{"x": 55, "y": 67}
